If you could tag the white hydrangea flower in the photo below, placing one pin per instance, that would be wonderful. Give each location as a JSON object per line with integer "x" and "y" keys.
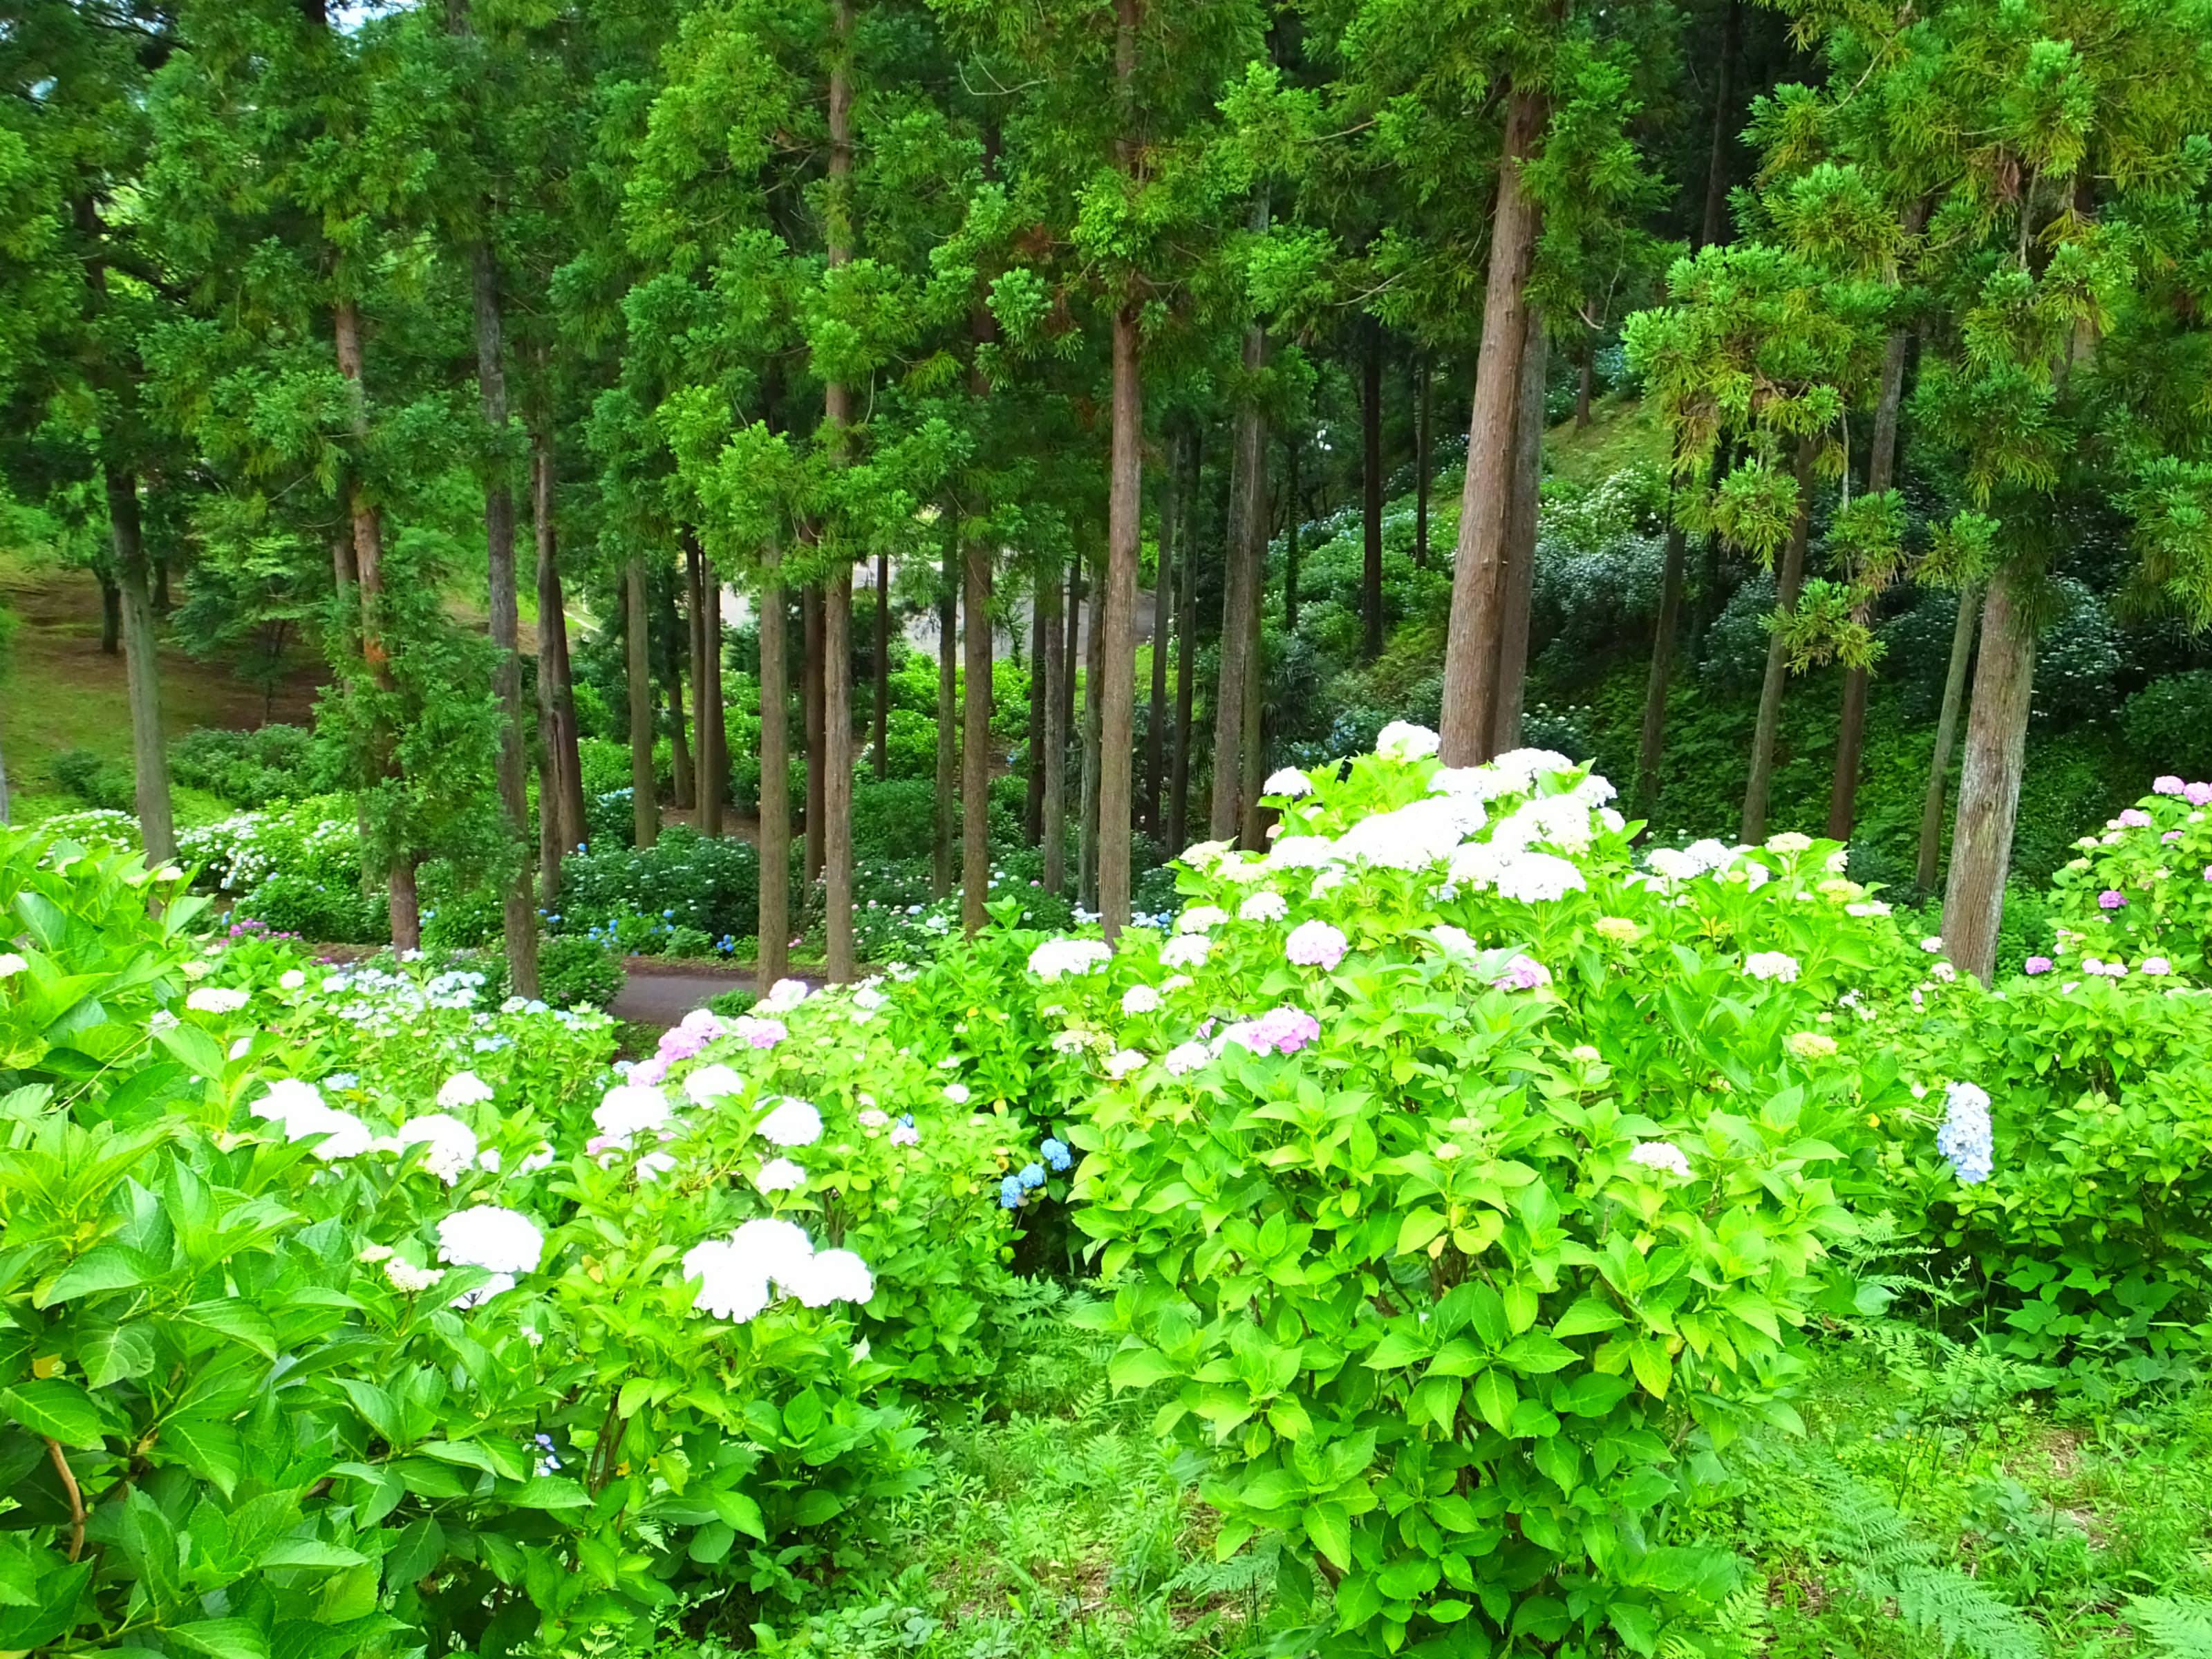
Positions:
{"x": 12, "y": 964}
{"x": 215, "y": 1000}
{"x": 958, "y": 1093}
{"x": 794, "y": 1122}
{"x": 1302, "y": 853}
{"x": 1122, "y": 1061}
{"x": 1402, "y": 740}
{"x": 1532, "y": 764}
{"x": 1537, "y": 879}
{"x": 291, "y": 980}
{"x": 628, "y": 1110}
{"x": 1140, "y": 999}
{"x": 1789, "y": 843}
{"x": 1772, "y": 965}
{"x": 786, "y": 993}
{"x": 1290, "y": 782}
{"x": 1201, "y": 919}
{"x": 1204, "y": 855}
{"x": 1185, "y": 950}
{"x": 711, "y": 1083}
{"x": 1263, "y": 906}
{"x": 1056, "y": 958}
{"x": 1672, "y": 864}
{"x": 1185, "y": 1058}
{"x": 1662, "y": 1155}
{"x": 780, "y": 1175}
{"x": 499, "y": 1241}
{"x": 463, "y": 1088}
{"x": 408, "y": 1278}
{"x": 451, "y": 1143}
{"x": 833, "y": 1276}
{"x": 1413, "y": 837}
{"x": 1712, "y": 855}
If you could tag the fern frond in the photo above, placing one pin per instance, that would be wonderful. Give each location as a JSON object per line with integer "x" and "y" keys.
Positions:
{"x": 2176, "y": 1626}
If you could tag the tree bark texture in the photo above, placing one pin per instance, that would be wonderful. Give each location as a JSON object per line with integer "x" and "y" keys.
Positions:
{"x": 1292, "y": 516}
{"x": 1472, "y": 646}
{"x": 1186, "y": 627}
{"x": 1652, "y": 742}
{"x": 837, "y": 774}
{"x": 684, "y": 781}
{"x": 1086, "y": 843}
{"x": 1125, "y": 506}
{"x": 1424, "y": 445}
{"x": 1946, "y": 735}
{"x": 1156, "y": 735}
{"x": 1520, "y": 540}
{"x": 110, "y": 610}
{"x": 976, "y": 737}
{"x": 556, "y": 702}
{"x": 713, "y": 733}
{"x": 1714, "y": 226}
{"x": 1052, "y": 668}
{"x": 882, "y": 664}
{"x": 518, "y": 914}
{"x": 1244, "y": 554}
{"x": 1040, "y": 694}
{"x": 141, "y": 666}
{"x": 645, "y": 811}
{"x": 1788, "y": 582}
{"x": 809, "y": 702}
{"x": 1371, "y": 493}
{"x": 773, "y": 950}
{"x": 1988, "y": 782}
{"x": 948, "y": 730}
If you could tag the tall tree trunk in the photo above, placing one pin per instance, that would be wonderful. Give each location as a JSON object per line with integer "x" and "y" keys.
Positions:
{"x": 1244, "y": 565}
{"x": 368, "y": 529}
{"x": 1424, "y": 443}
{"x": 1946, "y": 733}
{"x": 150, "y": 764}
{"x": 1185, "y": 625}
{"x": 1094, "y": 729}
{"x": 1370, "y": 492}
{"x": 882, "y": 711}
{"x": 1654, "y": 737}
{"x": 1881, "y": 462}
{"x": 694, "y": 647}
{"x": 1585, "y": 377}
{"x": 1788, "y": 582}
{"x": 1471, "y": 647}
{"x": 837, "y": 775}
{"x": 684, "y": 780}
{"x": 519, "y": 917}
{"x": 1988, "y": 782}
{"x": 1052, "y": 802}
{"x": 555, "y": 681}
{"x": 1520, "y": 540}
{"x": 1714, "y": 226}
{"x": 645, "y": 811}
{"x": 810, "y": 682}
{"x": 5, "y": 816}
{"x": 162, "y": 602}
{"x": 1078, "y": 591}
{"x": 110, "y": 610}
{"x": 1040, "y": 695}
{"x": 1252, "y": 771}
{"x": 976, "y": 738}
{"x": 772, "y": 949}
{"x": 948, "y": 731}
{"x": 713, "y": 730}
{"x": 1292, "y": 522}
{"x": 1156, "y": 735}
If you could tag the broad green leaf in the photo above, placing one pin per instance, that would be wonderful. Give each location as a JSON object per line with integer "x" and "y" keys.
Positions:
{"x": 57, "y": 1408}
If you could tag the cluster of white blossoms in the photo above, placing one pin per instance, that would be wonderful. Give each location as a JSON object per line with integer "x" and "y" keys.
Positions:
{"x": 215, "y": 1000}
{"x": 463, "y": 1088}
{"x": 628, "y": 1111}
{"x": 504, "y": 1243}
{"x": 297, "y": 1107}
{"x": 1058, "y": 958}
{"x": 452, "y": 1145}
{"x": 764, "y": 1258}
{"x": 791, "y": 1122}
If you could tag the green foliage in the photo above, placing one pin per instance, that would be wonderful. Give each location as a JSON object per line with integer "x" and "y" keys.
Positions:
{"x": 575, "y": 972}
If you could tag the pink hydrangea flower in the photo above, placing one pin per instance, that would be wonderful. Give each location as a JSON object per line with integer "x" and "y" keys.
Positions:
{"x": 2134, "y": 819}
{"x": 2157, "y": 966}
{"x": 1523, "y": 973}
{"x": 2037, "y": 965}
{"x": 2112, "y": 899}
{"x": 651, "y": 1070}
{"x": 1315, "y": 944}
{"x": 1279, "y": 1030}
{"x": 761, "y": 1033}
{"x": 2197, "y": 794}
{"x": 2167, "y": 785}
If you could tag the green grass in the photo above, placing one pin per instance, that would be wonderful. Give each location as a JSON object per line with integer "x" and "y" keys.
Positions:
{"x": 1623, "y": 430}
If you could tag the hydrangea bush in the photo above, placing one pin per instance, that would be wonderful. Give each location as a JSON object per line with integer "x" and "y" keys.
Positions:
{"x": 2138, "y": 899}
{"x": 1464, "y": 1183}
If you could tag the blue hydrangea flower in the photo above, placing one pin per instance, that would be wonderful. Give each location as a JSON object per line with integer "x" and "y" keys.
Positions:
{"x": 906, "y": 1120}
{"x": 1056, "y": 1153}
{"x": 1964, "y": 1138}
{"x": 1009, "y": 1193}
{"x": 1030, "y": 1174}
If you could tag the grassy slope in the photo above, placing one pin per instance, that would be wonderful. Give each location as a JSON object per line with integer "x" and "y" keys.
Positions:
{"x": 61, "y": 692}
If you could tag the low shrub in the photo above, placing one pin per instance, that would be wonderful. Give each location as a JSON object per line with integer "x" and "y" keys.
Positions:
{"x": 575, "y": 972}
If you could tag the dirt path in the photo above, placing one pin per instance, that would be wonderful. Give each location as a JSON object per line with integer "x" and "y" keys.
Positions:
{"x": 656, "y": 993}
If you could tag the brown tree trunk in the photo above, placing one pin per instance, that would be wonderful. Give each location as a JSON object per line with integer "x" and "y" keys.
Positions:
{"x": 837, "y": 774}
{"x": 948, "y": 730}
{"x": 1052, "y": 804}
{"x": 1291, "y": 520}
{"x": 149, "y": 763}
{"x": 773, "y": 951}
{"x": 882, "y": 664}
{"x": 975, "y": 739}
{"x": 1713, "y": 228}
{"x": 694, "y": 647}
{"x": 1040, "y": 695}
{"x": 713, "y": 730}
{"x": 1654, "y": 737}
{"x": 368, "y": 529}
{"x": 645, "y": 811}
{"x": 1850, "y": 731}
{"x": 110, "y": 611}
{"x": 1094, "y": 679}
{"x": 1156, "y": 735}
{"x": 684, "y": 780}
{"x": 1946, "y": 733}
{"x": 1370, "y": 494}
{"x": 1988, "y": 782}
{"x": 519, "y": 916}
{"x": 1253, "y": 770}
{"x": 1788, "y": 582}
{"x": 1472, "y": 646}
{"x": 1585, "y": 377}
{"x": 1186, "y": 624}
{"x": 1424, "y": 441}
{"x": 1520, "y": 540}
{"x": 554, "y": 837}
{"x": 1125, "y": 506}
{"x": 810, "y": 703}
{"x": 555, "y": 683}
{"x": 1244, "y": 548}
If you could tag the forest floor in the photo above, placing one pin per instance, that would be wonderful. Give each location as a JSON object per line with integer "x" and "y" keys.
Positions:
{"x": 61, "y": 692}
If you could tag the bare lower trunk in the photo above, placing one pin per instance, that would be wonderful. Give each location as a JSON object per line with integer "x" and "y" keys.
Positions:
{"x": 1125, "y": 507}
{"x": 694, "y": 647}
{"x": 683, "y": 781}
{"x": 1767, "y": 732}
{"x": 366, "y": 524}
{"x": 976, "y": 738}
{"x": 111, "y": 612}
{"x": 1039, "y": 695}
{"x": 1186, "y": 653}
{"x": 774, "y": 948}
{"x": 1252, "y": 771}
{"x": 1521, "y": 541}
{"x": 1424, "y": 439}
{"x": 557, "y": 689}
{"x": 1946, "y": 733}
{"x": 810, "y": 703}
{"x": 882, "y": 664}
{"x": 1094, "y": 679}
{"x": 1156, "y": 735}
{"x": 1370, "y": 494}
{"x": 1988, "y": 782}
{"x": 1470, "y": 648}
{"x": 948, "y": 732}
{"x": 554, "y": 837}
{"x": 149, "y": 763}
{"x": 645, "y": 811}
{"x": 1585, "y": 377}
{"x": 1052, "y": 802}
{"x": 837, "y": 772}
{"x": 713, "y": 730}
{"x": 519, "y": 916}
{"x": 1294, "y": 449}
{"x": 1654, "y": 737}
{"x": 1244, "y": 553}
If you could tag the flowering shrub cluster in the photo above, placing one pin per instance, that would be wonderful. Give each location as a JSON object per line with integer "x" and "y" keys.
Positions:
{"x": 2138, "y": 899}
{"x": 1459, "y": 1175}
